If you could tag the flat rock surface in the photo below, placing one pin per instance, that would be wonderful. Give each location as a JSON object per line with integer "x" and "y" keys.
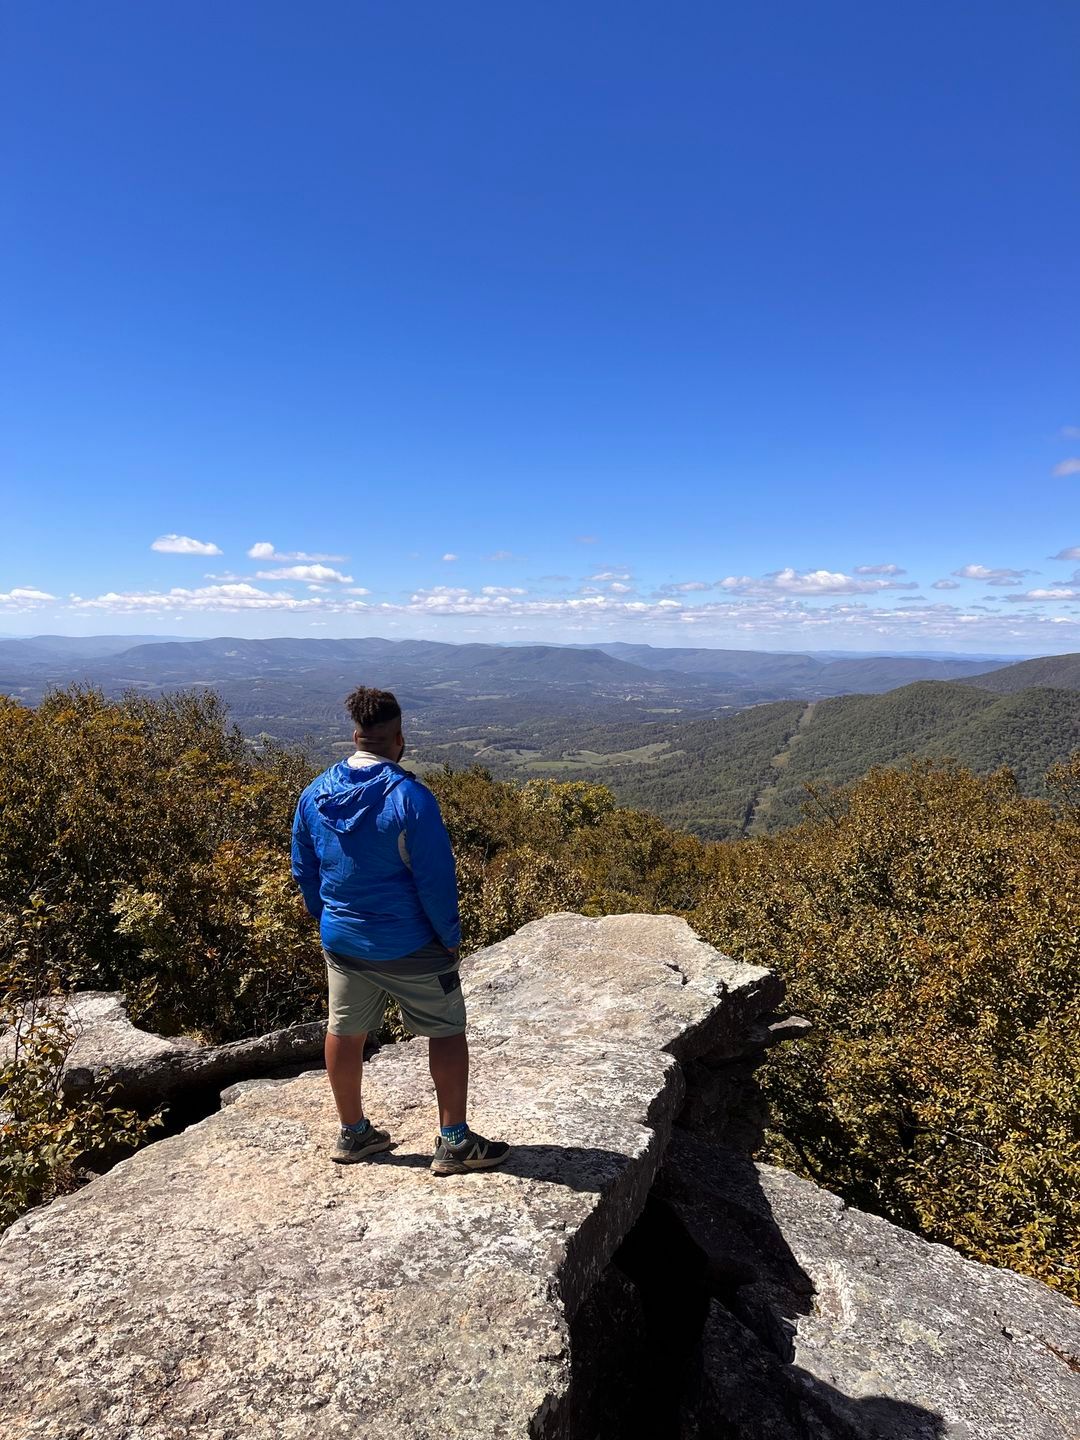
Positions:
{"x": 230, "y": 1281}
{"x": 859, "y": 1328}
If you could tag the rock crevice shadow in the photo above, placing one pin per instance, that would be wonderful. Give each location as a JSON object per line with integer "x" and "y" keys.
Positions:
{"x": 748, "y": 1304}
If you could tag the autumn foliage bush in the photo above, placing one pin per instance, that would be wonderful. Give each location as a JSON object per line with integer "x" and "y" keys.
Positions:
{"x": 928, "y": 922}
{"x": 152, "y": 846}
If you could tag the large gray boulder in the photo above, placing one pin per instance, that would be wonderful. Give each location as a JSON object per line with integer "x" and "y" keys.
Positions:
{"x": 229, "y": 1282}
{"x": 104, "y": 1039}
{"x": 827, "y": 1322}
{"x": 145, "y": 1069}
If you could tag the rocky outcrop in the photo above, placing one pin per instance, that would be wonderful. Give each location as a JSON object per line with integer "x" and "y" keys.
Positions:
{"x": 824, "y": 1321}
{"x": 146, "y": 1070}
{"x": 228, "y": 1281}
{"x": 104, "y": 1039}
{"x": 629, "y": 1273}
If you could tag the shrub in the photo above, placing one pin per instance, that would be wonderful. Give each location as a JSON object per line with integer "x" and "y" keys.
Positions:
{"x": 43, "y": 1136}
{"x": 156, "y": 845}
{"x": 928, "y": 922}
{"x": 572, "y": 804}
{"x": 525, "y": 852}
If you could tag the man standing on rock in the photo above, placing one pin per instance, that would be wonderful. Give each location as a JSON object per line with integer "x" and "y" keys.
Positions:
{"x": 372, "y": 857}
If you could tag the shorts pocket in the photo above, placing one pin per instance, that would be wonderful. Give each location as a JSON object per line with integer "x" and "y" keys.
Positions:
{"x": 450, "y": 981}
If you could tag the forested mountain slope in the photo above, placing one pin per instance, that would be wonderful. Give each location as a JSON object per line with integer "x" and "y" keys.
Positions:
{"x": 1029, "y": 731}
{"x": 1060, "y": 672}
{"x": 717, "y": 767}
{"x": 748, "y": 772}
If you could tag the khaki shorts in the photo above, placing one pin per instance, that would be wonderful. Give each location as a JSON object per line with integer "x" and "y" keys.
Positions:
{"x": 431, "y": 1005}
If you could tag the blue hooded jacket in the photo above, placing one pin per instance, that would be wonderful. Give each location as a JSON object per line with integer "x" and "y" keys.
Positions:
{"x": 371, "y": 854}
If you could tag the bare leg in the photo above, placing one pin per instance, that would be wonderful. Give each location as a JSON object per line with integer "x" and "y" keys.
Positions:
{"x": 448, "y": 1057}
{"x": 345, "y": 1068}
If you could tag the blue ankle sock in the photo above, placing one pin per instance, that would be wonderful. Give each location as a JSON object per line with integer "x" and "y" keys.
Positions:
{"x": 360, "y": 1126}
{"x": 454, "y": 1134}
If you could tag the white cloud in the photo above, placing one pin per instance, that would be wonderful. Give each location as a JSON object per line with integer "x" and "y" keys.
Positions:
{"x": 911, "y": 622}
{"x": 357, "y": 590}
{"x": 945, "y": 585}
{"x": 500, "y": 555}
{"x": 685, "y": 587}
{"x": 449, "y": 557}
{"x": 1037, "y": 596}
{"x": 618, "y": 588}
{"x": 184, "y": 545}
{"x": 320, "y": 574}
{"x": 24, "y": 597}
{"x": 1071, "y": 552}
{"x": 1067, "y": 467}
{"x": 811, "y": 582}
{"x": 879, "y": 570}
{"x": 457, "y": 600}
{"x": 230, "y": 597}
{"x": 991, "y": 575}
{"x": 774, "y": 617}
{"x": 611, "y": 575}
{"x": 264, "y": 550}
{"x": 503, "y": 590}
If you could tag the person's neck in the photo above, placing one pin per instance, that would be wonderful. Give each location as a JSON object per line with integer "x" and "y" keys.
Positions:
{"x": 364, "y": 754}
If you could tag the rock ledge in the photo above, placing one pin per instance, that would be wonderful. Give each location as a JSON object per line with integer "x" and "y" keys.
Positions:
{"x": 229, "y": 1281}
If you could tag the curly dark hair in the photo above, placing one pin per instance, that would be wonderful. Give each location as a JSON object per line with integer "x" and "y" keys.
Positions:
{"x": 372, "y": 709}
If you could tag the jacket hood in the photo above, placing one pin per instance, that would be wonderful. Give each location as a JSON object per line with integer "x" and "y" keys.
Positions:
{"x": 344, "y": 795}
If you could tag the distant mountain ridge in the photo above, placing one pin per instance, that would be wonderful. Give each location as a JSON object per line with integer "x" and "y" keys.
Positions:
{"x": 40, "y": 649}
{"x": 848, "y": 673}
{"x": 551, "y": 664}
{"x": 768, "y": 674}
{"x": 1060, "y": 672}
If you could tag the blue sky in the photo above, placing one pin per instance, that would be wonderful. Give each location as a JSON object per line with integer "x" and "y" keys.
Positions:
{"x": 693, "y": 323}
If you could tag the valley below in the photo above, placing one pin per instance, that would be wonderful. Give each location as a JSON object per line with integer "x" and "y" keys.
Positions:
{"x": 722, "y": 743}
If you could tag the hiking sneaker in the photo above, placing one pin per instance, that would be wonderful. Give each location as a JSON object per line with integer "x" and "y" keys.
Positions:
{"x": 351, "y": 1146}
{"x": 474, "y": 1153}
